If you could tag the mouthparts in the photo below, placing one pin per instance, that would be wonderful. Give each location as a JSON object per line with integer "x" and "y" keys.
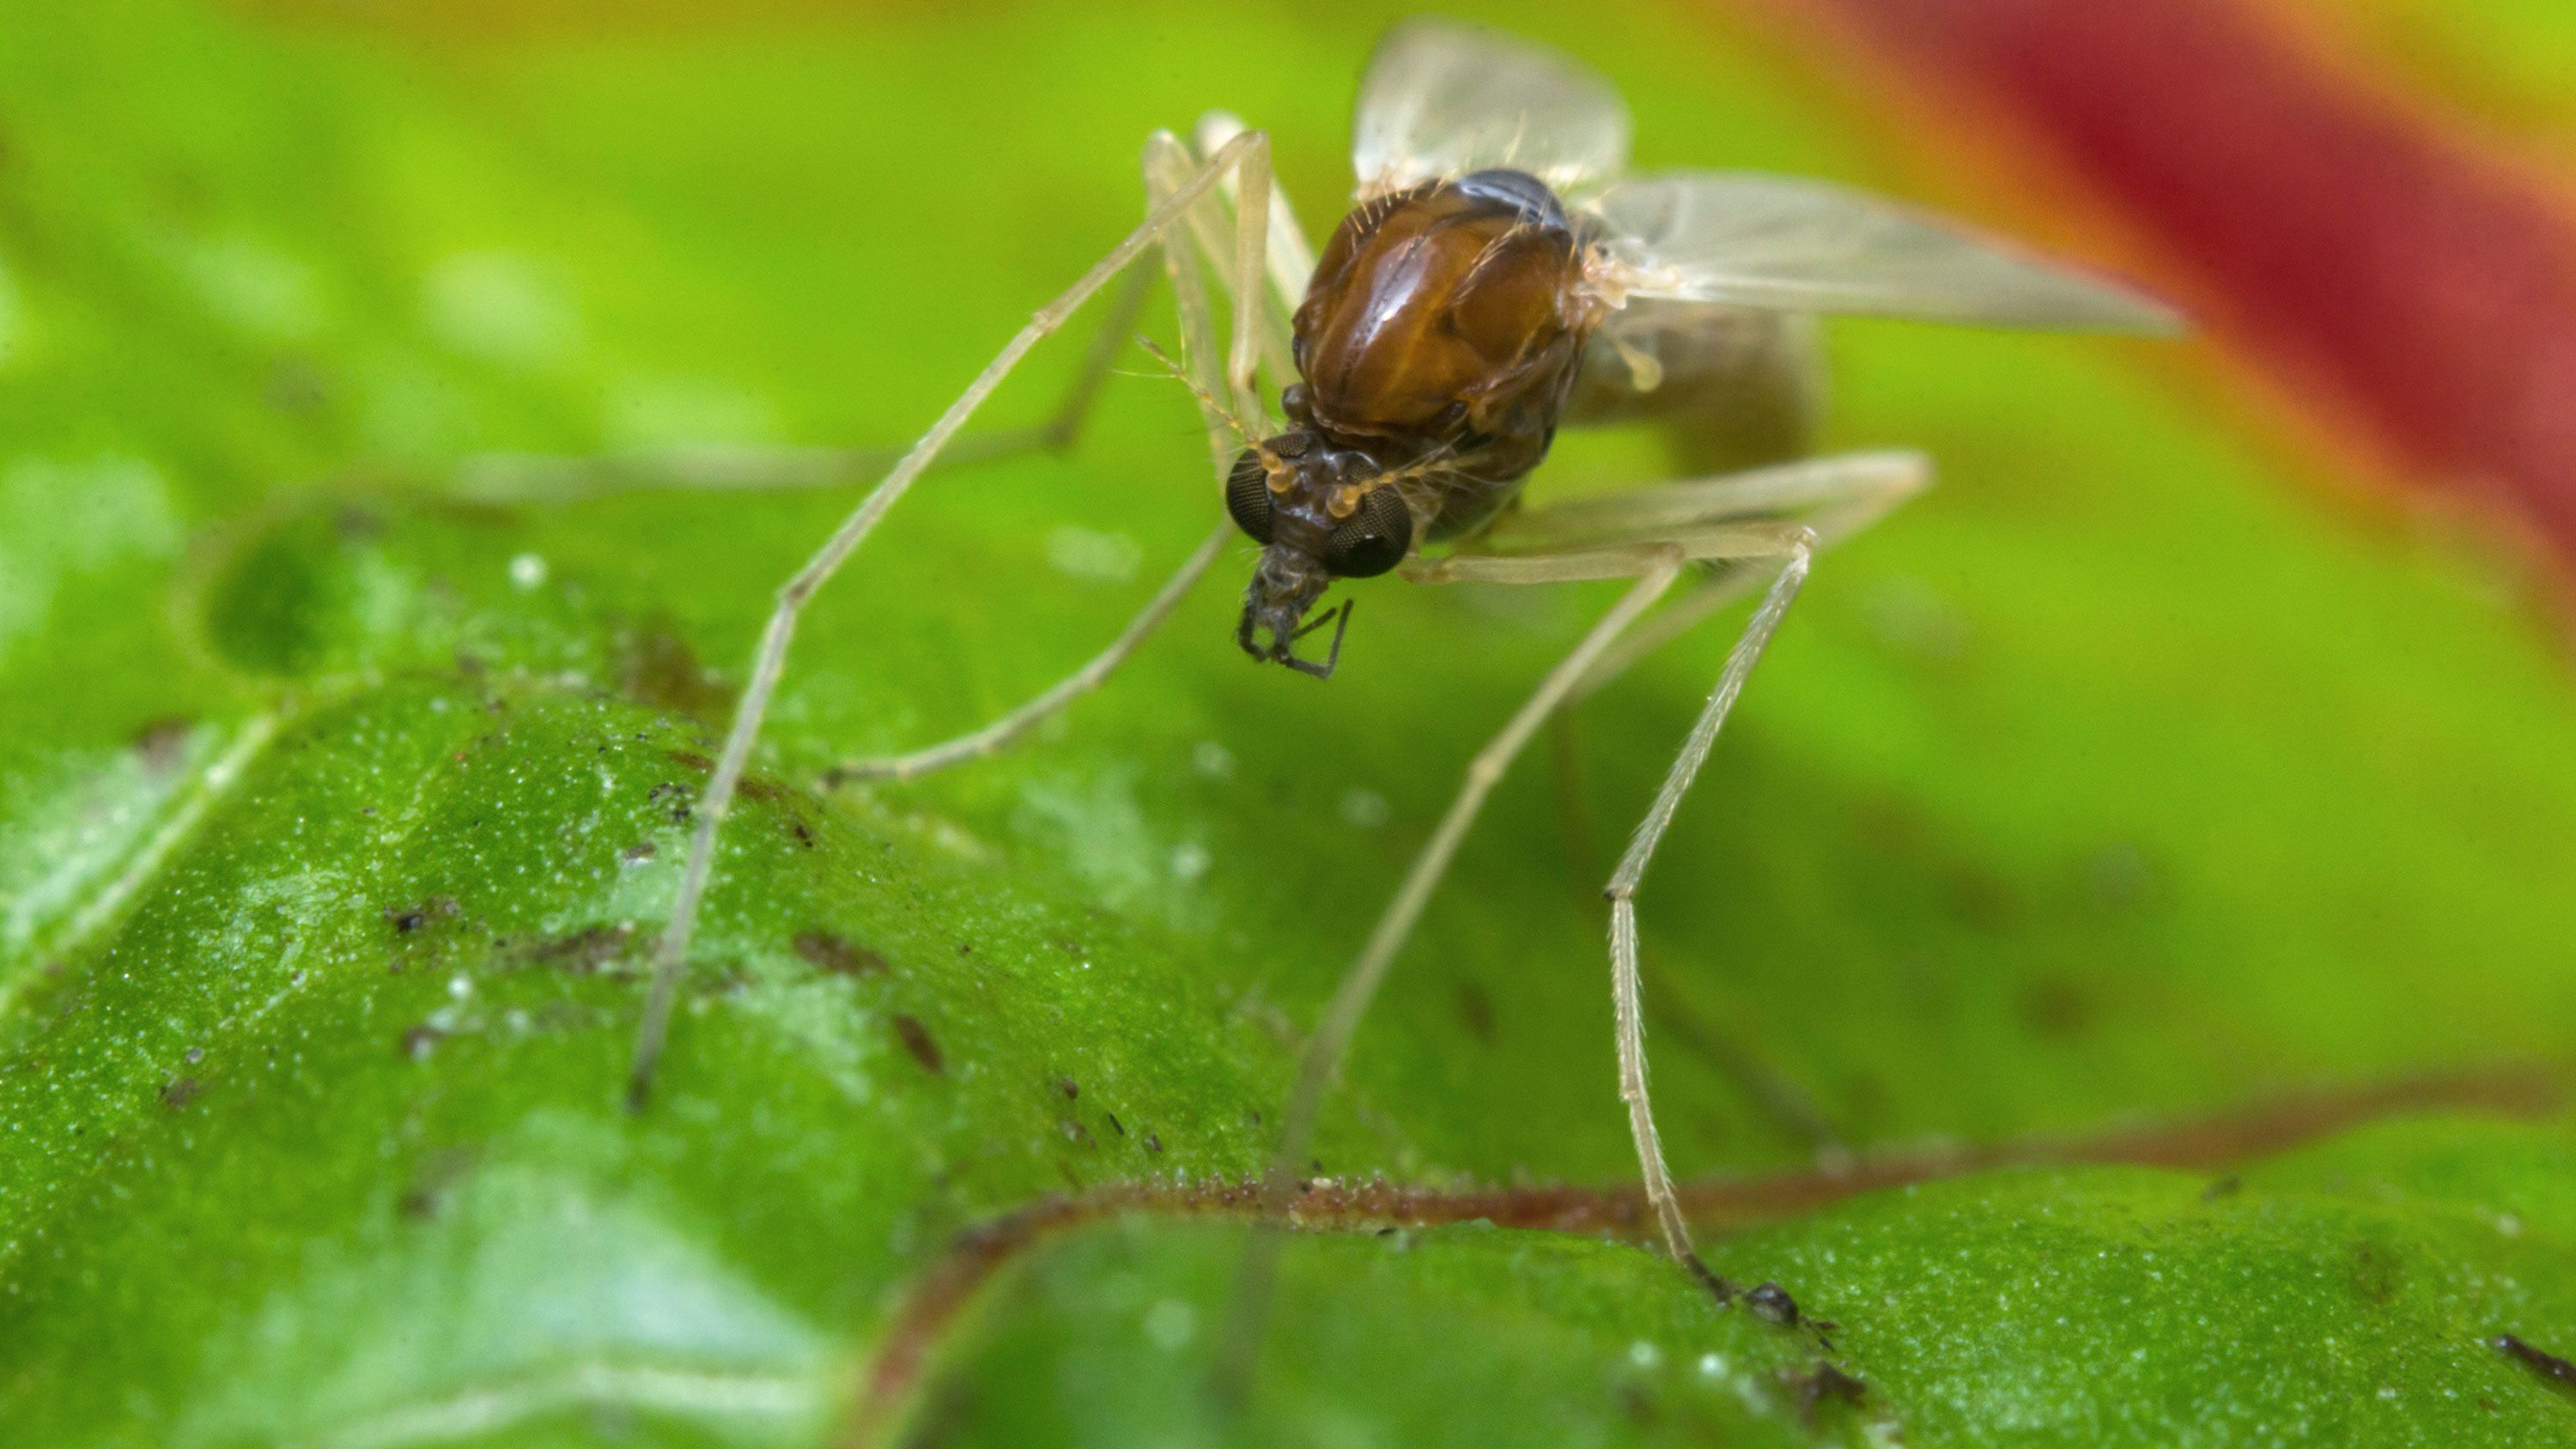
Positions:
{"x": 1285, "y": 585}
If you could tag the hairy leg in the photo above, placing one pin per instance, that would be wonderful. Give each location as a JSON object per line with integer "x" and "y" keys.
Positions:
{"x": 1167, "y": 166}
{"x": 1651, "y": 536}
{"x": 1837, "y": 496}
{"x": 1654, "y": 566}
{"x": 671, "y": 953}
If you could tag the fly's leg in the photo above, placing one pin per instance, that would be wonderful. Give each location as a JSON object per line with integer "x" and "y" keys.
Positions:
{"x": 671, "y": 953}
{"x": 1792, "y": 546}
{"x": 1651, "y": 536}
{"x": 1167, "y": 166}
{"x": 993, "y": 738}
{"x": 1654, "y": 566}
{"x": 533, "y": 477}
{"x": 1291, "y": 258}
{"x": 1837, "y": 496}
{"x": 1622, "y": 894}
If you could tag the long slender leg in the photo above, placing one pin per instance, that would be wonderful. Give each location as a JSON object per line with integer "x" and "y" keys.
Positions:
{"x": 1655, "y": 566}
{"x": 1795, "y": 545}
{"x": 1838, "y": 497}
{"x": 1166, "y": 165}
{"x": 1632, "y": 869}
{"x": 1000, "y": 734}
{"x": 1292, "y": 257}
{"x": 1325, "y": 1048}
{"x": 536, "y": 477}
{"x": 1618, "y": 536}
{"x": 1251, "y": 261}
{"x": 671, "y": 954}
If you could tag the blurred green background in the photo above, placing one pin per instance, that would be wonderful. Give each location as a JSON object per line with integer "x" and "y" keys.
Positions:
{"x": 2135, "y": 775}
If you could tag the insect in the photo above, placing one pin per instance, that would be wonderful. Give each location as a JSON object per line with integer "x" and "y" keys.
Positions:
{"x": 1498, "y": 277}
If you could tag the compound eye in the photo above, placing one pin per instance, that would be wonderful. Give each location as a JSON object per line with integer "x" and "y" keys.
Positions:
{"x": 1373, "y": 540}
{"x": 1247, "y": 495}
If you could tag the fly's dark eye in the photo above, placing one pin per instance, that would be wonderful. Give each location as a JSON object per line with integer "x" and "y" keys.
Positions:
{"x": 1247, "y": 495}
{"x": 1372, "y": 540}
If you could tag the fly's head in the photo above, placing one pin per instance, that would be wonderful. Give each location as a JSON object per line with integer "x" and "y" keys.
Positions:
{"x": 1321, "y": 511}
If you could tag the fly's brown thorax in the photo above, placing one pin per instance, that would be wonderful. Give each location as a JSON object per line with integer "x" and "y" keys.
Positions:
{"x": 1441, "y": 335}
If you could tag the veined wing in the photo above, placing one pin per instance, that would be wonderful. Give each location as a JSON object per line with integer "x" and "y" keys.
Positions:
{"x": 1441, "y": 99}
{"x": 1796, "y": 245}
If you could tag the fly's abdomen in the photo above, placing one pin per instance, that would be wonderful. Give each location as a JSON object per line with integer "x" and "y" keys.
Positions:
{"x": 1731, "y": 387}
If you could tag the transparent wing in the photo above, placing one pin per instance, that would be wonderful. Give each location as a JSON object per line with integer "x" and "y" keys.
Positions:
{"x": 1790, "y": 244}
{"x": 1443, "y": 98}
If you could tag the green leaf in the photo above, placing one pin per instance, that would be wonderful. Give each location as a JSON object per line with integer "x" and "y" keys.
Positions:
{"x": 2131, "y": 777}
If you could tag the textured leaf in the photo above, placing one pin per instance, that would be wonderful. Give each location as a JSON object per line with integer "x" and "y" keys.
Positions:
{"x": 2125, "y": 779}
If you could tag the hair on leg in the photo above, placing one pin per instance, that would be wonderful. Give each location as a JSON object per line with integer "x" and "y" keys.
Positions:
{"x": 671, "y": 951}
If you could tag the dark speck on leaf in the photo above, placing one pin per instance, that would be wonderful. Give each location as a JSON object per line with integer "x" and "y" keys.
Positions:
{"x": 2558, "y": 1371}
{"x": 407, "y": 919}
{"x": 417, "y": 1042}
{"x": 1637, "y": 1405}
{"x": 2376, "y": 1275}
{"x": 751, "y": 787}
{"x": 655, "y": 666}
{"x": 1069, "y": 1087}
{"x": 435, "y": 1177}
{"x": 679, "y": 796}
{"x": 162, "y": 744}
{"x": 640, "y": 850}
{"x": 916, "y": 1040}
{"x": 1476, "y": 1011}
{"x": 842, "y": 957}
{"x": 2056, "y": 1007}
{"x": 1153, "y": 1143}
{"x": 2225, "y": 1187}
{"x": 1075, "y": 1132}
{"x": 1114, "y": 1124}
{"x": 580, "y": 952}
{"x": 178, "y": 1092}
{"x": 1827, "y": 1384}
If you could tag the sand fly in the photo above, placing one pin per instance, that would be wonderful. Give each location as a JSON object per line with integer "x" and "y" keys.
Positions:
{"x": 1499, "y": 276}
